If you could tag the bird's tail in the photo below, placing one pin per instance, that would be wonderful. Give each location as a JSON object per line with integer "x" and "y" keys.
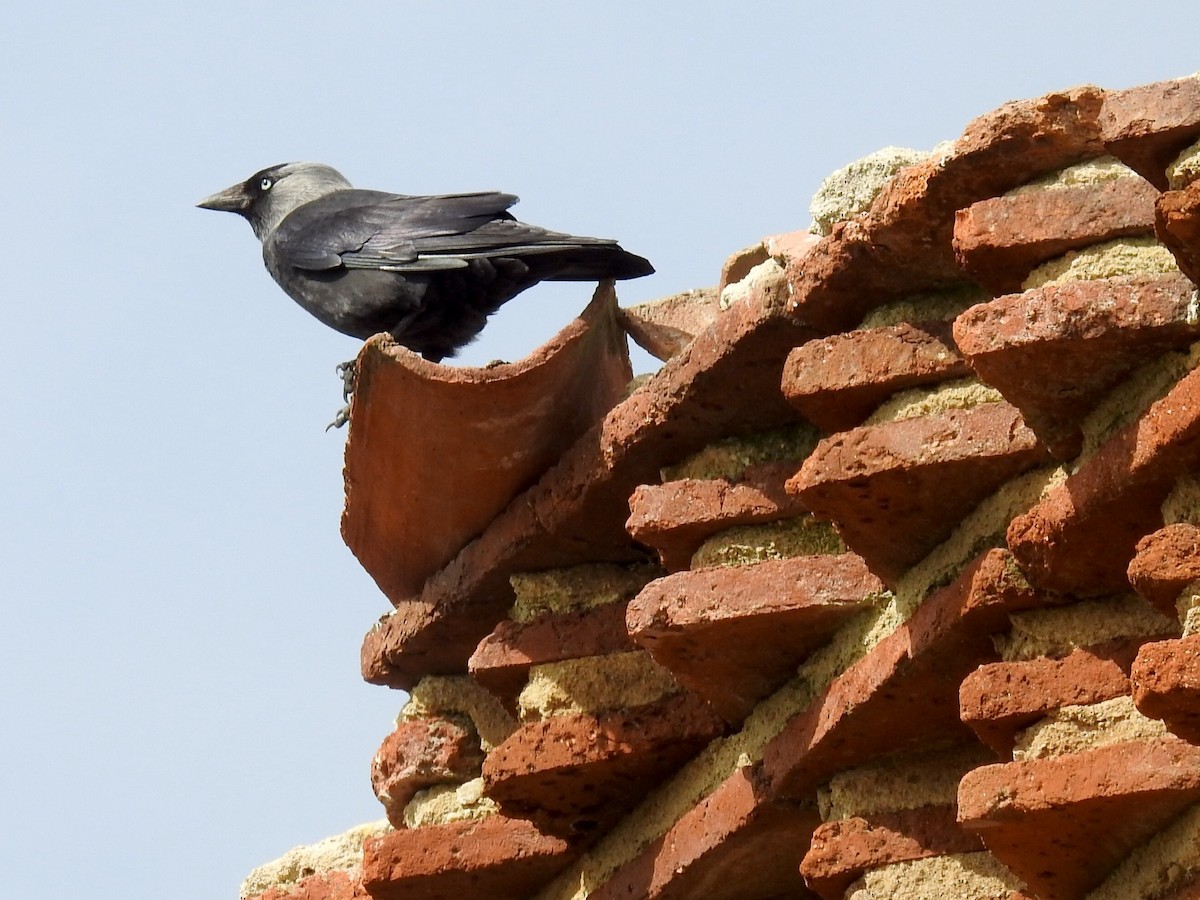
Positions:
{"x": 588, "y": 262}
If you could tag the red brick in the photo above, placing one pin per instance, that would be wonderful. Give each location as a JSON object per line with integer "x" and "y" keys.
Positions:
{"x": 1166, "y": 684}
{"x": 1081, "y": 538}
{"x": 501, "y": 661}
{"x": 999, "y": 241}
{"x": 734, "y": 635}
{"x": 838, "y": 381}
{"x": 335, "y": 885}
{"x": 736, "y": 843}
{"x": 493, "y": 857}
{"x": 897, "y": 490}
{"x": 501, "y": 426}
{"x": 675, "y": 518}
{"x": 1062, "y": 824}
{"x": 843, "y": 850}
{"x": 421, "y": 753}
{"x": 664, "y": 327}
{"x": 1167, "y": 561}
{"x": 904, "y": 243}
{"x": 1000, "y": 699}
{"x": 1055, "y": 351}
{"x": 1177, "y": 223}
{"x": 576, "y": 775}
{"x": 904, "y": 693}
{"x": 576, "y": 513}
{"x": 1146, "y": 127}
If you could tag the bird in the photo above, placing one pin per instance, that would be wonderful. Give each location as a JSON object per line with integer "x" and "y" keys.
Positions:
{"x": 428, "y": 270}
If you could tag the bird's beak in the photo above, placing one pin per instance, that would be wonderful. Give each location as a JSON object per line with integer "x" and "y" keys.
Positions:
{"x": 233, "y": 199}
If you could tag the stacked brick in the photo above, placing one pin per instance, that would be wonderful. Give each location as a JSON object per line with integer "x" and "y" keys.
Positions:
{"x": 885, "y": 585}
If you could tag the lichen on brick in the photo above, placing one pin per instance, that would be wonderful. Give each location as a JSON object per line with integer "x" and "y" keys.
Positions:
{"x": 853, "y": 188}
{"x": 729, "y": 457}
{"x": 1057, "y": 631}
{"x": 766, "y": 280}
{"x": 964, "y": 393}
{"x": 576, "y": 588}
{"x": 1131, "y": 257}
{"x": 746, "y": 544}
{"x": 437, "y": 695}
{"x": 445, "y": 803}
{"x": 594, "y": 684}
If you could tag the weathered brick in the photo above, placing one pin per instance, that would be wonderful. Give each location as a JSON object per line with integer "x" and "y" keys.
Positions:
{"x": 421, "y": 753}
{"x": 1166, "y": 684}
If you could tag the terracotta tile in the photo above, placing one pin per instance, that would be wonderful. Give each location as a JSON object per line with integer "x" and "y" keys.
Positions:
{"x": 1166, "y": 562}
{"x": 904, "y": 693}
{"x": 843, "y": 850}
{"x": 418, "y": 754}
{"x": 335, "y": 885}
{"x": 577, "y": 511}
{"x": 501, "y": 661}
{"x": 1055, "y": 352}
{"x": 1054, "y": 822}
{"x": 576, "y": 775}
{"x": 897, "y": 490}
{"x": 1166, "y": 684}
{"x": 493, "y": 857}
{"x": 998, "y": 700}
{"x": 904, "y": 243}
{"x": 1081, "y": 538}
{"x": 999, "y": 241}
{"x": 734, "y": 635}
{"x": 1146, "y": 127}
{"x": 836, "y": 382}
{"x": 675, "y": 518}
{"x": 1177, "y": 224}
{"x": 736, "y": 843}
{"x": 502, "y": 426}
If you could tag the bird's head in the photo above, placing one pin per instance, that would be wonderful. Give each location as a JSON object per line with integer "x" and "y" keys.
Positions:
{"x": 266, "y": 197}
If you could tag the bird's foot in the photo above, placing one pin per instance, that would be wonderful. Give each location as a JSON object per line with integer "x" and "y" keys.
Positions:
{"x": 347, "y": 372}
{"x": 496, "y": 362}
{"x": 342, "y": 417}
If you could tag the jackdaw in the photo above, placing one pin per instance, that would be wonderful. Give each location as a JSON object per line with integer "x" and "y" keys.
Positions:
{"x": 428, "y": 270}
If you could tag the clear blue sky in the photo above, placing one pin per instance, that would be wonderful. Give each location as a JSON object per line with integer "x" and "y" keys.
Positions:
{"x": 181, "y": 622}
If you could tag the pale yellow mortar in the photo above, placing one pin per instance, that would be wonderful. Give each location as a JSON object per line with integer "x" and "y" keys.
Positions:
{"x": 439, "y": 695}
{"x": 1183, "y": 503}
{"x": 1090, "y": 171}
{"x": 964, "y": 393}
{"x": 766, "y": 280}
{"x": 1071, "y": 729}
{"x": 340, "y": 852}
{"x": 1056, "y": 632}
{"x": 729, "y": 458}
{"x": 745, "y": 544}
{"x": 594, "y": 684}
{"x": 903, "y": 781}
{"x": 1160, "y": 866}
{"x": 853, "y": 188}
{"x": 961, "y": 876}
{"x": 1185, "y": 168}
{"x": 1188, "y": 608}
{"x": 576, "y": 588}
{"x": 445, "y": 803}
{"x": 1123, "y": 257}
{"x": 929, "y": 307}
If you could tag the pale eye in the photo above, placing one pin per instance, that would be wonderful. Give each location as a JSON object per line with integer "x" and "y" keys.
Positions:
{"x": 266, "y": 184}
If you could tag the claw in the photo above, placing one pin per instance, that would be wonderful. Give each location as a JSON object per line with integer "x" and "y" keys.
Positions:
{"x": 342, "y": 417}
{"x": 347, "y": 372}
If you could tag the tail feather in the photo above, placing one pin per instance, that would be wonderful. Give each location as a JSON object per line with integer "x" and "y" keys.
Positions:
{"x": 588, "y": 264}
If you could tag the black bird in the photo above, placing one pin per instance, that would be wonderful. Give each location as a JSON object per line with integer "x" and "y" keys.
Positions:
{"x": 429, "y": 270}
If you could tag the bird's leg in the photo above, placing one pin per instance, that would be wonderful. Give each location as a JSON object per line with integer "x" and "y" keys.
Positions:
{"x": 347, "y": 371}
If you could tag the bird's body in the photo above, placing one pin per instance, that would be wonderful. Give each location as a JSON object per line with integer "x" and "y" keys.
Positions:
{"x": 427, "y": 269}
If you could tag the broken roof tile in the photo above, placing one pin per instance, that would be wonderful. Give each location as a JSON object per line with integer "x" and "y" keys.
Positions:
{"x": 1147, "y": 126}
{"x": 898, "y": 489}
{"x": 734, "y": 635}
{"x": 836, "y": 382}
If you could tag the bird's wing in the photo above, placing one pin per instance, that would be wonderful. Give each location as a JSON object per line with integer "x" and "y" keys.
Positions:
{"x": 374, "y": 230}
